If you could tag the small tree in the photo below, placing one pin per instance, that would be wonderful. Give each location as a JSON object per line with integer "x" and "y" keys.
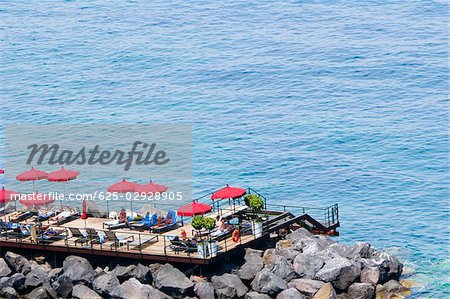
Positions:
{"x": 197, "y": 222}
{"x": 256, "y": 203}
{"x": 209, "y": 224}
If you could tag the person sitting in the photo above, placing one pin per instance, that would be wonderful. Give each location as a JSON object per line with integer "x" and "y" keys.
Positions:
{"x": 183, "y": 235}
{"x": 163, "y": 221}
{"x": 123, "y": 217}
{"x": 222, "y": 227}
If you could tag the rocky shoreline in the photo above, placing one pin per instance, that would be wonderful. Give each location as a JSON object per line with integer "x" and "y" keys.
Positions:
{"x": 300, "y": 266}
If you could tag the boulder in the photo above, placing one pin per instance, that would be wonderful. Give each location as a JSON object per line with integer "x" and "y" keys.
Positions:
{"x": 81, "y": 291}
{"x": 54, "y": 273}
{"x": 255, "y": 295}
{"x": 124, "y": 273}
{"x": 4, "y": 268}
{"x": 307, "y": 265}
{"x": 204, "y": 290}
{"x": 16, "y": 261}
{"x": 370, "y": 275}
{"x": 268, "y": 283}
{"x": 50, "y": 291}
{"x": 250, "y": 252}
{"x": 298, "y": 234}
{"x": 228, "y": 286}
{"x": 78, "y": 269}
{"x": 40, "y": 259}
{"x": 326, "y": 292}
{"x": 389, "y": 266}
{"x": 38, "y": 293}
{"x": 291, "y": 293}
{"x": 279, "y": 266}
{"x": 105, "y": 284}
{"x": 253, "y": 265}
{"x": 9, "y": 293}
{"x": 143, "y": 274}
{"x": 35, "y": 277}
{"x": 392, "y": 289}
{"x": 134, "y": 289}
{"x": 306, "y": 286}
{"x": 63, "y": 285}
{"x": 288, "y": 253}
{"x": 16, "y": 281}
{"x": 172, "y": 281}
{"x": 361, "y": 291}
{"x": 340, "y": 271}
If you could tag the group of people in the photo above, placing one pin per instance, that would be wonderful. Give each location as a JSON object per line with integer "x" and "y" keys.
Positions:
{"x": 161, "y": 220}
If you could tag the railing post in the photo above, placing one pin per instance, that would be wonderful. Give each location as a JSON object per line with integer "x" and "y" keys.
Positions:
{"x": 165, "y": 252}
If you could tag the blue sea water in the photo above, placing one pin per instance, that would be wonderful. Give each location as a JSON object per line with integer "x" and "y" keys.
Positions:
{"x": 310, "y": 102}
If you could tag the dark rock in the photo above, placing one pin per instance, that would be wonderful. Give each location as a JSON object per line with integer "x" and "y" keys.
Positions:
{"x": 16, "y": 261}
{"x": 361, "y": 291}
{"x": 143, "y": 274}
{"x": 340, "y": 271}
{"x": 279, "y": 266}
{"x": 63, "y": 285}
{"x": 105, "y": 284}
{"x": 255, "y": 295}
{"x": 9, "y": 293}
{"x": 172, "y": 281}
{"x": 370, "y": 275}
{"x": 291, "y": 293}
{"x": 204, "y": 290}
{"x": 38, "y": 293}
{"x": 54, "y": 273}
{"x": 306, "y": 286}
{"x": 36, "y": 277}
{"x": 393, "y": 286}
{"x": 78, "y": 269}
{"x": 124, "y": 273}
{"x": 228, "y": 286}
{"x": 389, "y": 266}
{"x": 50, "y": 291}
{"x": 307, "y": 265}
{"x": 253, "y": 265}
{"x": 268, "y": 283}
{"x": 326, "y": 292}
{"x": 83, "y": 292}
{"x": 4, "y": 268}
{"x": 15, "y": 281}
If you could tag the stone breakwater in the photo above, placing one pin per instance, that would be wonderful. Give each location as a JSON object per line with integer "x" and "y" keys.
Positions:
{"x": 300, "y": 266}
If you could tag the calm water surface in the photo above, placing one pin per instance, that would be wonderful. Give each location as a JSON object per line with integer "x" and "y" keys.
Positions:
{"x": 310, "y": 102}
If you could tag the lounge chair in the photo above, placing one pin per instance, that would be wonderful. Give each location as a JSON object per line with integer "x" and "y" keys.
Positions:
{"x": 20, "y": 216}
{"x": 166, "y": 227}
{"x": 145, "y": 223}
{"x": 115, "y": 241}
{"x": 77, "y": 236}
{"x": 62, "y": 217}
{"x": 178, "y": 246}
{"x": 93, "y": 236}
{"x": 114, "y": 224}
{"x": 139, "y": 243}
{"x": 44, "y": 216}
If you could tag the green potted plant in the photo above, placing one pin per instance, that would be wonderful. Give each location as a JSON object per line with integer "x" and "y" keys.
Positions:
{"x": 256, "y": 203}
{"x": 210, "y": 224}
{"x": 198, "y": 223}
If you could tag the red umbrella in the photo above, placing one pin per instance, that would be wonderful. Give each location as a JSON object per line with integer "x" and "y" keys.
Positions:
{"x": 62, "y": 175}
{"x": 150, "y": 188}
{"x": 37, "y": 199}
{"x": 123, "y": 186}
{"x": 32, "y": 175}
{"x": 194, "y": 208}
{"x": 7, "y": 195}
{"x": 228, "y": 192}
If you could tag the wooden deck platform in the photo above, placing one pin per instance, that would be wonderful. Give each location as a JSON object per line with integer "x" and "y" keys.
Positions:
{"x": 156, "y": 247}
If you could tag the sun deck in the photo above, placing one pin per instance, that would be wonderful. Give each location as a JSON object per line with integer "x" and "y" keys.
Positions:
{"x": 158, "y": 247}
